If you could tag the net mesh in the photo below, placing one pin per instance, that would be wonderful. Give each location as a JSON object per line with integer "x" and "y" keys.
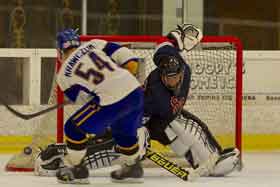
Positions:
{"x": 214, "y": 96}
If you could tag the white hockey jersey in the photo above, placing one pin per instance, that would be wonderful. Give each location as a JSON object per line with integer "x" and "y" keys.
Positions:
{"x": 91, "y": 70}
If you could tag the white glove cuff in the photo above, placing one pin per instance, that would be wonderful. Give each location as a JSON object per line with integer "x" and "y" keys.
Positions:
{"x": 177, "y": 36}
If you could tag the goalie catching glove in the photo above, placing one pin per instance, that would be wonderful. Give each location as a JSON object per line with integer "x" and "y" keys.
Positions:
{"x": 186, "y": 36}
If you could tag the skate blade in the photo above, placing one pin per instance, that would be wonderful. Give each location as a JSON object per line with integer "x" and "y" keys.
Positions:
{"x": 75, "y": 181}
{"x": 128, "y": 180}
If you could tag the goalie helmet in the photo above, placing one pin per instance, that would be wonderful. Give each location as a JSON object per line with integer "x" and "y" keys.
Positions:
{"x": 68, "y": 39}
{"x": 171, "y": 71}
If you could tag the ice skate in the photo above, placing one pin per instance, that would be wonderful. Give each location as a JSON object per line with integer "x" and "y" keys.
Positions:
{"x": 73, "y": 175}
{"x": 128, "y": 174}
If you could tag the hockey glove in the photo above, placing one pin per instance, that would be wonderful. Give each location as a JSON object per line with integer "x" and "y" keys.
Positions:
{"x": 186, "y": 36}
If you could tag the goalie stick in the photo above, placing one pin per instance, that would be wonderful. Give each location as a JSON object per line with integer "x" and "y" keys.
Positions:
{"x": 184, "y": 174}
{"x": 32, "y": 115}
{"x": 188, "y": 174}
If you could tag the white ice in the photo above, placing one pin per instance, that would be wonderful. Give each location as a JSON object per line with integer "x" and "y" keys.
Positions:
{"x": 260, "y": 170}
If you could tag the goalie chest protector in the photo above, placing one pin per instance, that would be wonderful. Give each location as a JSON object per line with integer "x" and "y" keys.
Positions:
{"x": 162, "y": 103}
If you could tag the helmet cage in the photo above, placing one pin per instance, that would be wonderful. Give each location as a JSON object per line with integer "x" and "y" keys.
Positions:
{"x": 68, "y": 39}
{"x": 170, "y": 67}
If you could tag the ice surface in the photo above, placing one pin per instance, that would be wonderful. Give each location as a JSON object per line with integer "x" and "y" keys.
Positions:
{"x": 260, "y": 170}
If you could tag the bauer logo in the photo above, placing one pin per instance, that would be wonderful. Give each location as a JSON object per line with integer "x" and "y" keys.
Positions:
{"x": 166, "y": 164}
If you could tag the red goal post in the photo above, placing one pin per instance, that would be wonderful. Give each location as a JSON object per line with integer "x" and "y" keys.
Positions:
{"x": 215, "y": 40}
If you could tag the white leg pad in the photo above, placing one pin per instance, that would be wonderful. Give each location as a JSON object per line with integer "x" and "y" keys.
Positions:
{"x": 227, "y": 163}
{"x": 179, "y": 147}
{"x": 194, "y": 139}
{"x": 74, "y": 157}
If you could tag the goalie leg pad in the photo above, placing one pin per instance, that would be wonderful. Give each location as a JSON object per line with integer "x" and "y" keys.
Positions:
{"x": 182, "y": 149}
{"x": 100, "y": 151}
{"x": 192, "y": 142}
{"x": 50, "y": 160}
{"x": 228, "y": 162}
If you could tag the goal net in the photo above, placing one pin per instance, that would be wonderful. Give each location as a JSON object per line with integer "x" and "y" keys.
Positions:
{"x": 215, "y": 94}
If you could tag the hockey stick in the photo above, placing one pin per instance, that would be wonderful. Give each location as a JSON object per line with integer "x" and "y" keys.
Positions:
{"x": 186, "y": 175}
{"x": 32, "y": 115}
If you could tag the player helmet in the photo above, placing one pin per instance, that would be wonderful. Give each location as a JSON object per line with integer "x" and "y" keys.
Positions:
{"x": 171, "y": 72}
{"x": 68, "y": 39}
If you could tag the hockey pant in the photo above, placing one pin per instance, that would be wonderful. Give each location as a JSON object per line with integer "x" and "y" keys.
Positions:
{"x": 123, "y": 117}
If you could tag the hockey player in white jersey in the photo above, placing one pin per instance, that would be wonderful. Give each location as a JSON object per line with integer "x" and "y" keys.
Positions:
{"x": 113, "y": 98}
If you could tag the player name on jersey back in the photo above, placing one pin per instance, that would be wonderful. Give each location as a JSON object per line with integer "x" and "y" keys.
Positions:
{"x": 91, "y": 70}
{"x": 75, "y": 59}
